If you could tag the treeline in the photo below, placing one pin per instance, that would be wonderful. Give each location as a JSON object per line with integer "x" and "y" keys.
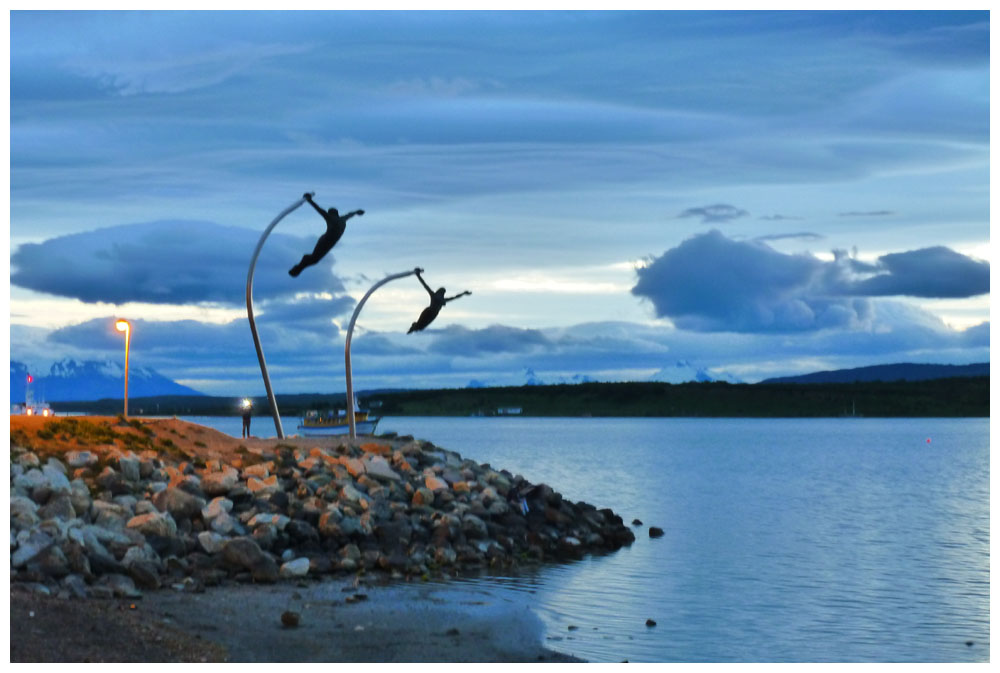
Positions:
{"x": 964, "y": 396}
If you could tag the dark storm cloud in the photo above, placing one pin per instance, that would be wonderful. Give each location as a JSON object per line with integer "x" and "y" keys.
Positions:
{"x": 720, "y": 212}
{"x": 936, "y": 272}
{"x": 167, "y": 262}
{"x": 710, "y": 283}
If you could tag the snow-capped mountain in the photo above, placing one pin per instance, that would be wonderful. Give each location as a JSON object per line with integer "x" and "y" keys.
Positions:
{"x": 70, "y": 381}
{"x": 683, "y": 371}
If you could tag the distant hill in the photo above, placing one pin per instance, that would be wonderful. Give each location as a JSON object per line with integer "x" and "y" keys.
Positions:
{"x": 68, "y": 380}
{"x": 898, "y": 372}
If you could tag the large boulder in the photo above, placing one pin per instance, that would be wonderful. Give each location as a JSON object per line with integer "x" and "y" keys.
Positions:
{"x": 244, "y": 553}
{"x": 178, "y": 503}
{"x": 154, "y": 523}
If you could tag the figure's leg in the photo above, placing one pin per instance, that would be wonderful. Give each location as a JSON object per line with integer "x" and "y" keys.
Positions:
{"x": 322, "y": 247}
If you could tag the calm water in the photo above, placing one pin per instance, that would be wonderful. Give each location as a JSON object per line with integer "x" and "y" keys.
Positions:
{"x": 786, "y": 540}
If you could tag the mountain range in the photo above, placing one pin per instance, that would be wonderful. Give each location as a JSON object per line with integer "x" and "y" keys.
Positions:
{"x": 904, "y": 371}
{"x": 68, "y": 380}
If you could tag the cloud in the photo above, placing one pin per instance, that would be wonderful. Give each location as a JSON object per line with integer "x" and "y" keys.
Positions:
{"x": 710, "y": 283}
{"x": 168, "y": 262}
{"x": 802, "y": 235}
{"x": 866, "y": 213}
{"x": 460, "y": 341}
{"x": 720, "y": 212}
{"x": 777, "y": 217}
{"x": 929, "y": 272}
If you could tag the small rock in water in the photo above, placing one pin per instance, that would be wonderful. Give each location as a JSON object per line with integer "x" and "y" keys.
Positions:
{"x": 969, "y": 643}
{"x": 451, "y": 632}
{"x": 636, "y": 522}
{"x": 290, "y": 619}
{"x": 655, "y": 532}
{"x": 571, "y": 627}
{"x": 650, "y": 622}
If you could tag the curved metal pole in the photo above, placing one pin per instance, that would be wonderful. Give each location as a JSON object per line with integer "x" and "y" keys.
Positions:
{"x": 347, "y": 346}
{"x": 253, "y": 325}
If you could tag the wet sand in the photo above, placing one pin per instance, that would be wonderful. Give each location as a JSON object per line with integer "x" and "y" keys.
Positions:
{"x": 338, "y": 622}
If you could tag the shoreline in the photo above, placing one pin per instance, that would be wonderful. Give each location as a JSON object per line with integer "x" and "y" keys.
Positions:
{"x": 165, "y": 540}
{"x": 393, "y": 623}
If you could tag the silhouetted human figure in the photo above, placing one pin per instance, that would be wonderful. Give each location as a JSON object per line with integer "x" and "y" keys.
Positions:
{"x": 247, "y": 413}
{"x": 438, "y": 301}
{"x": 335, "y": 225}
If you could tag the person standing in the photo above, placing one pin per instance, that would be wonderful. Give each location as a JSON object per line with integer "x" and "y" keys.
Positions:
{"x": 247, "y": 413}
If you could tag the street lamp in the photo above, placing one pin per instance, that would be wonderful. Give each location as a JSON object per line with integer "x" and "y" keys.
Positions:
{"x": 347, "y": 346}
{"x": 124, "y": 326}
{"x": 253, "y": 324}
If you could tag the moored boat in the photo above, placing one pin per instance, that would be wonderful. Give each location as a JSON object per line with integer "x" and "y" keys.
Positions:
{"x": 336, "y": 423}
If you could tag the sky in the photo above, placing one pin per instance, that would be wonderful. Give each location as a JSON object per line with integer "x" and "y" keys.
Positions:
{"x": 626, "y": 195}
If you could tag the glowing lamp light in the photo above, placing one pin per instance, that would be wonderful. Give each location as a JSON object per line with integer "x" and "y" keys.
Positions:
{"x": 246, "y": 403}
{"x": 30, "y": 378}
{"x": 124, "y": 326}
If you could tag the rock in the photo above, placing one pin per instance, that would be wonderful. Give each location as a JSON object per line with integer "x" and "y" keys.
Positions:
{"x": 52, "y": 562}
{"x": 225, "y": 524}
{"x": 80, "y": 496}
{"x": 154, "y": 523}
{"x": 121, "y": 586}
{"x": 128, "y": 466}
{"x": 290, "y": 619}
{"x": 423, "y": 497}
{"x": 219, "y": 483}
{"x": 650, "y": 622}
{"x": 58, "y": 507}
{"x": 56, "y": 478}
{"x": 263, "y": 487}
{"x": 351, "y": 494}
{"x": 243, "y": 552}
{"x": 297, "y": 568}
{"x": 77, "y": 459}
{"x": 211, "y": 541}
{"x": 178, "y": 502}
{"x": 23, "y": 512}
{"x": 258, "y": 471}
{"x": 277, "y": 520}
{"x": 329, "y": 522}
{"x": 216, "y": 507}
{"x": 378, "y": 467}
{"x": 435, "y": 483}
{"x": 34, "y": 544}
{"x": 636, "y": 522}
{"x": 655, "y": 532}
{"x": 144, "y": 574}
{"x": 473, "y": 526}
{"x": 355, "y": 467}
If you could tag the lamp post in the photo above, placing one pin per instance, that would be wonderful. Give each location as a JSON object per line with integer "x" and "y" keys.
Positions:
{"x": 125, "y": 326}
{"x": 253, "y": 325}
{"x": 347, "y": 346}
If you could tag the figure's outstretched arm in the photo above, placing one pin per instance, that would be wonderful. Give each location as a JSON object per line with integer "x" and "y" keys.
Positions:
{"x": 308, "y": 197}
{"x": 460, "y": 294}
{"x": 422, "y": 282}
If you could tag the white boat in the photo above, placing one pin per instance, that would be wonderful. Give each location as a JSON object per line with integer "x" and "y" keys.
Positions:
{"x": 316, "y": 424}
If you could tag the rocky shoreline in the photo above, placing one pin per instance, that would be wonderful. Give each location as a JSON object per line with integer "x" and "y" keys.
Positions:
{"x": 112, "y": 508}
